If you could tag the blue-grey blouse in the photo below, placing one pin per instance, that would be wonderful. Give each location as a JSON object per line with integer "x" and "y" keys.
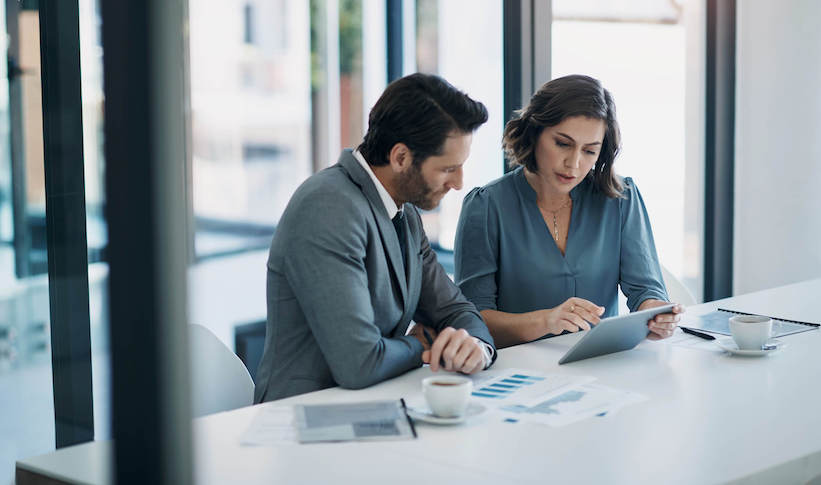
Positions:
{"x": 507, "y": 260}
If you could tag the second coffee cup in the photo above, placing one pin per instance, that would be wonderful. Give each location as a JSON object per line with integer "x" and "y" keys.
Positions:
{"x": 750, "y": 332}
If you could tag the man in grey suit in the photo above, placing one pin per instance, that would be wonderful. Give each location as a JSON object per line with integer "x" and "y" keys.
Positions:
{"x": 350, "y": 265}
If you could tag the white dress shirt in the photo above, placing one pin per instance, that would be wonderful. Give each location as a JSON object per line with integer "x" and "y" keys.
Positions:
{"x": 391, "y": 209}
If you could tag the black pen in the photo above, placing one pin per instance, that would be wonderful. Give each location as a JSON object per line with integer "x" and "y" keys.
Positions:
{"x": 427, "y": 336}
{"x": 705, "y": 336}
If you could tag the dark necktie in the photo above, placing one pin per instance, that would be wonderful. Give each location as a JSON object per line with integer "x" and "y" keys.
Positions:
{"x": 399, "y": 224}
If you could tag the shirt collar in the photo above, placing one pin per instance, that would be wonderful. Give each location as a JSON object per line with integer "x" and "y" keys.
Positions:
{"x": 387, "y": 200}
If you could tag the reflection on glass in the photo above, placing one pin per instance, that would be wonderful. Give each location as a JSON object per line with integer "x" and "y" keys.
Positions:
{"x": 250, "y": 118}
{"x": 639, "y": 51}
{"x": 250, "y": 88}
{"x": 91, "y": 67}
{"x": 350, "y": 74}
{"x": 27, "y": 419}
{"x": 461, "y": 40}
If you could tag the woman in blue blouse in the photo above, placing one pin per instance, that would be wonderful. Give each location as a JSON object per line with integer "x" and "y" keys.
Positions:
{"x": 543, "y": 249}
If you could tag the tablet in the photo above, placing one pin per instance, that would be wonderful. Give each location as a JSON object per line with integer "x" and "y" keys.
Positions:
{"x": 614, "y": 334}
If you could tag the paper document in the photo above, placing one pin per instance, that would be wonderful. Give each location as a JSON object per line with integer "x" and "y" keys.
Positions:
{"x": 497, "y": 388}
{"x": 553, "y": 399}
{"x": 273, "y": 425}
{"x": 376, "y": 420}
{"x": 572, "y": 404}
{"x": 681, "y": 339}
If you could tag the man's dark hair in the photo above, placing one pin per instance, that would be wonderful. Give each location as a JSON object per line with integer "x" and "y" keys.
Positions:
{"x": 561, "y": 98}
{"x": 421, "y": 111}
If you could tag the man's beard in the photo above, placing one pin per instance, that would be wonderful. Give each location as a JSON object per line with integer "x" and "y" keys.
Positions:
{"x": 415, "y": 190}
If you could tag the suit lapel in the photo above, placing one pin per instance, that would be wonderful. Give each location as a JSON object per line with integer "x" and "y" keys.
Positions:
{"x": 385, "y": 225}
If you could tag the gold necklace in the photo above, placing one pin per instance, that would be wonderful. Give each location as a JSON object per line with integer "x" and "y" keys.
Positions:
{"x": 555, "y": 219}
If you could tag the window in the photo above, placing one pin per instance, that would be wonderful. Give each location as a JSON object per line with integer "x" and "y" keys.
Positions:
{"x": 27, "y": 421}
{"x": 250, "y": 120}
{"x": 649, "y": 55}
{"x": 462, "y": 42}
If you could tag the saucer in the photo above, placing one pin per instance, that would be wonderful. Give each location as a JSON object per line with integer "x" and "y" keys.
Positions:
{"x": 426, "y": 415}
{"x": 772, "y": 346}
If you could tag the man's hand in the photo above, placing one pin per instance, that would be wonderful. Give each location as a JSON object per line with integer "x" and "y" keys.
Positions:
{"x": 456, "y": 351}
{"x": 664, "y": 324}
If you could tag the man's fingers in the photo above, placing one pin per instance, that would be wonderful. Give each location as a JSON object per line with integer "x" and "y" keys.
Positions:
{"x": 475, "y": 362}
{"x": 445, "y": 347}
{"x": 466, "y": 349}
{"x": 438, "y": 346}
{"x": 455, "y": 343}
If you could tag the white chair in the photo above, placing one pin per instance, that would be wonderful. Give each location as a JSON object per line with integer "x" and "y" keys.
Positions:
{"x": 219, "y": 380}
{"x": 675, "y": 288}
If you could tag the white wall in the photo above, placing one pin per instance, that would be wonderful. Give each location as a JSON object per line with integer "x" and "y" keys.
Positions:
{"x": 778, "y": 144}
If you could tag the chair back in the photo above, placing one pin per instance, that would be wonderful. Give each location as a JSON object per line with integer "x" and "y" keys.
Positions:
{"x": 676, "y": 290}
{"x": 219, "y": 380}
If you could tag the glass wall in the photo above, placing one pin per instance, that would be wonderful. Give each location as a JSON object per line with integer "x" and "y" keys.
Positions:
{"x": 91, "y": 72}
{"x": 26, "y": 400}
{"x": 649, "y": 56}
{"x": 277, "y": 89}
{"x": 251, "y": 88}
{"x": 250, "y": 118}
{"x": 461, "y": 40}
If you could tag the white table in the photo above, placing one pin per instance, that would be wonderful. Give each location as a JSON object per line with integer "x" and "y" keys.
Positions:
{"x": 710, "y": 418}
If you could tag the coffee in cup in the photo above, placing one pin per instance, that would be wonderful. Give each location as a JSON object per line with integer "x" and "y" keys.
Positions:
{"x": 750, "y": 332}
{"x": 447, "y": 395}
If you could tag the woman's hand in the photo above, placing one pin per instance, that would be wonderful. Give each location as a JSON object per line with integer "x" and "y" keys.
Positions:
{"x": 664, "y": 324}
{"x": 573, "y": 315}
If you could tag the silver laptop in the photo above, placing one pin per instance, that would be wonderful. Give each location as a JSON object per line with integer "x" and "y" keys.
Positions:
{"x": 614, "y": 334}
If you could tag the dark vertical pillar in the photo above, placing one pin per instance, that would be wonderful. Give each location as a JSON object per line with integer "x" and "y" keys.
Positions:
{"x": 66, "y": 222}
{"x": 720, "y": 149}
{"x": 394, "y": 39}
{"x": 512, "y": 59}
{"x": 145, "y": 131}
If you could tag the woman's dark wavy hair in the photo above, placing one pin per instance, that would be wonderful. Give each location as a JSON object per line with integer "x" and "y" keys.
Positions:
{"x": 561, "y": 98}
{"x": 421, "y": 111}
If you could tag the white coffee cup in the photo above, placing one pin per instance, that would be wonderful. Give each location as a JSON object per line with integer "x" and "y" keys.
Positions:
{"x": 750, "y": 332}
{"x": 447, "y": 395}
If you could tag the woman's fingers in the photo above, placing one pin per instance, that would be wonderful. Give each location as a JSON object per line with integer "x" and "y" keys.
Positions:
{"x": 567, "y": 325}
{"x": 587, "y": 316}
{"x": 577, "y": 321}
{"x": 587, "y": 309}
{"x": 661, "y": 330}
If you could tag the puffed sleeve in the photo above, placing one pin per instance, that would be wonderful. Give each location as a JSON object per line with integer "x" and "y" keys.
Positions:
{"x": 476, "y": 251}
{"x": 639, "y": 271}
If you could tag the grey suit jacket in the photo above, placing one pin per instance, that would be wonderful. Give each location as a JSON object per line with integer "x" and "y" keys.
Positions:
{"x": 339, "y": 299}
